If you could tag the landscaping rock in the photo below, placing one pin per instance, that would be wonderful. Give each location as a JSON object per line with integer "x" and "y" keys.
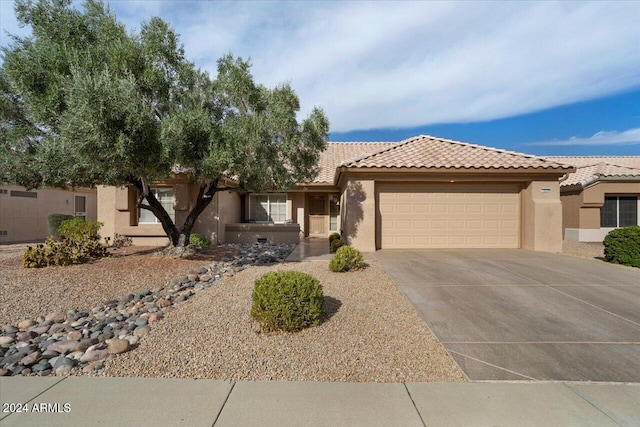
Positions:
{"x": 42, "y": 343}
{"x": 117, "y": 346}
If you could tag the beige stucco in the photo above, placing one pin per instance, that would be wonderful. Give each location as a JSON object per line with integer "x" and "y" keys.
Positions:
{"x": 251, "y": 233}
{"x": 581, "y": 208}
{"x": 24, "y": 219}
{"x": 117, "y": 210}
{"x": 540, "y": 208}
{"x": 542, "y": 216}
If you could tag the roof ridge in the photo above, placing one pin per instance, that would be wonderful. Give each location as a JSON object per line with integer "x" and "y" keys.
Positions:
{"x": 484, "y": 147}
{"x": 376, "y": 153}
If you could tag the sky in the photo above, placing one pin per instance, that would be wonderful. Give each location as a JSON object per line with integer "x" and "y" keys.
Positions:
{"x": 545, "y": 78}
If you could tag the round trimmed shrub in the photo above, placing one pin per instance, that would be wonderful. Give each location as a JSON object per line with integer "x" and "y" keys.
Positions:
{"x": 336, "y": 244}
{"x": 287, "y": 301}
{"x": 333, "y": 236}
{"x": 347, "y": 258}
{"x": 622, "y": 246}
{"x": 199, "y": 241}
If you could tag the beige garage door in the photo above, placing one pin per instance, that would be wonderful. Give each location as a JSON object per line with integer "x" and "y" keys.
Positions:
{"x": 448, "y": 216}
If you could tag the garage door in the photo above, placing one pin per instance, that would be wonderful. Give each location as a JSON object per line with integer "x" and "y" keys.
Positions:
{"x": 448, "y": 216}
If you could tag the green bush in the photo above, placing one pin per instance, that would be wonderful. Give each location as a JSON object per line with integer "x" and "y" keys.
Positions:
{"x": 333, "y": 236}
{"x": 53, "y": 223}
{"x": 336, "y": 244}
{"x": 80, "y": 243}
{"x": 346, "y": 258}
{"x": 77, "y": 229}
{"x": 287, "y": 301}
{"x": 622, "y": 246}
{"x": 199, "y": 241}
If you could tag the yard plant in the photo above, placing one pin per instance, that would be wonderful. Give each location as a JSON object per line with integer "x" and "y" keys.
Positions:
{"x": 199, "y": 241}
{"x": 86, "y": 102}
{"x": 622, "y": 246}
{"x": 53, "y": 223}
{"x": 287, "y": 301}
{"x": 347, "y": 258}
{"x": 80, "y": 243}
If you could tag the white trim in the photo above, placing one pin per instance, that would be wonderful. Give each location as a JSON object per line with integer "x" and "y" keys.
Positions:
{"x": 286, "y": 202}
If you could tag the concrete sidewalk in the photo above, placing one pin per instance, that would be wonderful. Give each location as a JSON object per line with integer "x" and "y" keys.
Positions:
{"x": 81, "y": 401}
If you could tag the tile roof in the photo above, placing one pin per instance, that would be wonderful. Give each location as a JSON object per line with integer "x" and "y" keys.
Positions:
{"x": 590, "y": 169}
{"x": 587, "y": 175}
{"x": 581, "y": 161}
{"x": 427, "y": 152}
{"x": 338, "y": 152}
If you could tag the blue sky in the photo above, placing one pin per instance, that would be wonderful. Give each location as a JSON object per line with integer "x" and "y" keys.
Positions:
{"x": 544, "y": 78}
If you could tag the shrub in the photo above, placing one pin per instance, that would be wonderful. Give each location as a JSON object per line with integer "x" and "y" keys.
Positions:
{"x": 333, "y": 236}
{"x": 622, "y": 246}
{"x": 53, "y": 223}
{"x": 346, "y": 258}
{"x": 336, "y": 244}
{"x": 121, "y": 241}
{"x": 77, "y": 228}
{"x": 199, "y": 241}
{"x": 80, "y": 243}
{"x": 287, "y": 301}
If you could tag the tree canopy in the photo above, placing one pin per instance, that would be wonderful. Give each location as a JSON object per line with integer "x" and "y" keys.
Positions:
{"x": 85, "y": 103}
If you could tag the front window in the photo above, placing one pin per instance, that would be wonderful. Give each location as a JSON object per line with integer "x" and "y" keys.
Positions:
{"x": 619, "y": 211}
{"x": 334, "y": 211}
{"x": 268, "y": 208}
{"x": 165, "y": 197}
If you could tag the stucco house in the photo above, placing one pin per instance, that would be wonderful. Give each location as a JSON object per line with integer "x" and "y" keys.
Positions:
{"x": 423, "y": 192}
{"x": 602, "y": 194}
{"x": 23, "y": 214}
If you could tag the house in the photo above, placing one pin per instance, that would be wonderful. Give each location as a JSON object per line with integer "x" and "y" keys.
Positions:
{"x": 423, "y": 192}
{"x": 602, "y": 194}
{"x": 23, "y": 214}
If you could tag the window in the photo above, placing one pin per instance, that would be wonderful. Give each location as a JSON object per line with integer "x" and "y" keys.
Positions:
{"x": 29, "y": 194}
{"x": 268, "y": 208}
{"x": 619, "y": 211}
{"x": 165, "y": 197}
{"x": 81, "y": 206}
{"x": 334, "y": 211}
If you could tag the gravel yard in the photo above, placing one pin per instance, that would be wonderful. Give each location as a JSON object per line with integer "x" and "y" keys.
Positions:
{"x": 369, "y": 332}
{"x": 583, "y": 249}
{"x": 28, "y": 293}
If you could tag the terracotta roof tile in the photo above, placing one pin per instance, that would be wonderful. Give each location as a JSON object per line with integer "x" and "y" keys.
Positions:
{"x": 587, "y": 175}
{"x": 427, "y": 152}
{"x": 581, "y": 161}
{"x": 338, "y": 152}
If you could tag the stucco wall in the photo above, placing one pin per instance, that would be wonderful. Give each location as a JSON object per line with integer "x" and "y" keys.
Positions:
{"x": 117, "y": 209}
{"x": 359, "y": 216}
{"x": 25, "y": 218}
{"x": 542, "y": 216}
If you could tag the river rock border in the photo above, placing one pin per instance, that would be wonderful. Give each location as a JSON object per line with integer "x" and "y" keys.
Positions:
{"x": 81, "y": 340}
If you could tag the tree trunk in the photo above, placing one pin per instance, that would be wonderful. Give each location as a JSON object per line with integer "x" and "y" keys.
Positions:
{"x": 179, "y": 239}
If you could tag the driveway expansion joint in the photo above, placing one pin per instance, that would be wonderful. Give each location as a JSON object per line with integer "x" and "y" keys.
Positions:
{"x": 586, "y": 399}
{"x": 414, "y": 404}
{"x": 492, "y": 365}
{"x": 223, "y": 404}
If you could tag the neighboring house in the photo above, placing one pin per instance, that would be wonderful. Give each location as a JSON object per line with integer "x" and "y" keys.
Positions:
{"x": 423, "y": 192}
{"x": 23, "y": 214}
{"x": 601, "y": 195}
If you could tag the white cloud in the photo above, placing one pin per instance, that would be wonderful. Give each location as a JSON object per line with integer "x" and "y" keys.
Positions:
{"x": 399, "y": 64}
{"x": 627, "y": 137}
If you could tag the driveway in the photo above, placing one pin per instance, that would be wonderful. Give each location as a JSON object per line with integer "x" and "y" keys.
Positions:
{"x": 522, "y": 315}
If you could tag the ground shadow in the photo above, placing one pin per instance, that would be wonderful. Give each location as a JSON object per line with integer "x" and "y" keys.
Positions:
{"x": 331, "y": 307}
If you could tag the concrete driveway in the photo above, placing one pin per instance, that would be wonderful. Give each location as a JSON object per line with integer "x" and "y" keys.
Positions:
{"x": 522, "y": 315}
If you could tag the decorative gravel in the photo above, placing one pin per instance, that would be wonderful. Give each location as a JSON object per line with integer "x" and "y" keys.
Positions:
{"x": 369, "y": 333}
{"x": 96, "y": 319}
{"x": 583, "y": 249}
{"x": 31, "y": 292}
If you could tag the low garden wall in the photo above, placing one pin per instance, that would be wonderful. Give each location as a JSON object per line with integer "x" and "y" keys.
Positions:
{"x": 252, "y": 233}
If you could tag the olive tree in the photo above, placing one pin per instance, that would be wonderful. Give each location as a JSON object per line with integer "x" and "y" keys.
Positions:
{"x": 85, "y": 103}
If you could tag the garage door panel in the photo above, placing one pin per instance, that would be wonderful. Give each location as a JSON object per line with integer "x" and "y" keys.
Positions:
{"x": 465, "y": 216}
